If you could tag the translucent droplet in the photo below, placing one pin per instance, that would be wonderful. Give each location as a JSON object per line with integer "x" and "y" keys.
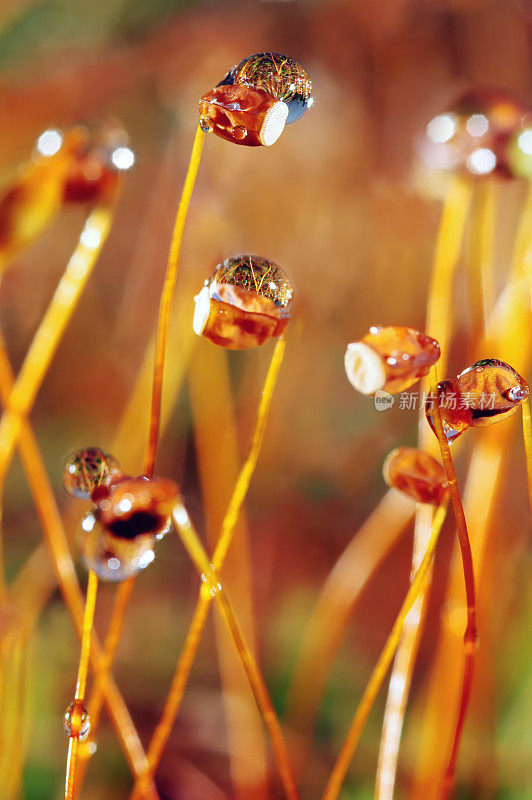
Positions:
{"x": 416, "y": 474}
{"x": 246, "y": 301}
{"x": 278, "y": 75}
{"x": 389, "y": 358}
{"x": 87, "y": 469}
{"x": 455, "y": 413}
{"x": 77, "y": 721}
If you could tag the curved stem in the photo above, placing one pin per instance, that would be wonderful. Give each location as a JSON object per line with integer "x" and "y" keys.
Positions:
{"x": 213, "y": 588}
{"x": 124, "y": 591}
{"x": 77, "y": 711}
{"x": 56, "y": 541}
{"x": 338, "y": 597}
{"x": 166, "y": 304}
{"x": 448, "y": 246}
{"x": 51, "y": 329}
{"x": 197, "y": 625}
{"x": 378, "y": 675}
{"x": 470, "y": 635}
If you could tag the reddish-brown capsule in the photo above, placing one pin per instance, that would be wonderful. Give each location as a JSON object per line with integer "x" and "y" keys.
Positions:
{"x": 416, "y": 474}
{"x": 118, "y": 536}
{"x": 455, "y": 413}
{"x": 389, "y": 358}
{"x": 99, "y": 152}
{"x": 246, "y": 301}
{"x": 492, "y": 389}
{"x": 486, "y": 132}
{"x": 243, "y": 115}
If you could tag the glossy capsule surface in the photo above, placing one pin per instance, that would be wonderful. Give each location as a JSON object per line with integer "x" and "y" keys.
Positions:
{"x": 117, "y": 538}
{"x": 278, "y": 75}
{"x": 243, "y": 115}
{"x": 484, "y": 133}
{"x": 246, "y": 301}
{"x": 416, "y": 474}
{"x": 389, "y": 358}
{"x": 99, "y": 153}
{"x": 493, "y": 391}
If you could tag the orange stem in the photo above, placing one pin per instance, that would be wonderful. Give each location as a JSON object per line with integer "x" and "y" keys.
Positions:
{"x": 166, "y": 304}
{"x": 470, "y": 635}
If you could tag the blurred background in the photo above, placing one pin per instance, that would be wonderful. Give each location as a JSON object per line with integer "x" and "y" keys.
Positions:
{"x": 339, "y": 203}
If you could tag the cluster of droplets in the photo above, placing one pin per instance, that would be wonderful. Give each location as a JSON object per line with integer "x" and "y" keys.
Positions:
{"x": 485, "y": 132}
{"x": 256, "y": 99}
{"x": 246, "y": 301}
{"x": 128, "y": 515}
{"x": 487, "y": 392}
{"x": 390, "y": 358}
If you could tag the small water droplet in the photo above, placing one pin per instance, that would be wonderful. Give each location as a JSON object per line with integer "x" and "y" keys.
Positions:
{"x": 76, "y": 721}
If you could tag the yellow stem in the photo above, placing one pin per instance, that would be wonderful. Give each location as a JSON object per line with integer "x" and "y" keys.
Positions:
{"x": 448, "y": 245}
{"x": 166, "y": 304}
{"x": 50, "y": 331}
{"x": 214, "y": 588}
{"x": 50, "y": 520}
{"x": 527, "y": 437}
{"x": 88, "y": 620}
{"x": 378, "y": 675}
{"x": 96, "y": 698}
{"x": 124, "y": 591}
{"x": 197, "y": 625}
{"x": 339, "y": 596}
{"x": 439, "y": 324}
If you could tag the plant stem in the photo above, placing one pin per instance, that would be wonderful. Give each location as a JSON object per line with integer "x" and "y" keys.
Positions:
{"x": 197, "y": 625}
{"x": 88, "y": 620}
{"x": 55, "y": 537}
{"x": 378, "y": 675}
{"x": 446, "y": 256}
{"x": 166, "y": 304}
{"x": 51, "y": 329}
{"x": 214, "y": 588}
{"x": 527, "y": 438}
{"x": 470, "y": 635}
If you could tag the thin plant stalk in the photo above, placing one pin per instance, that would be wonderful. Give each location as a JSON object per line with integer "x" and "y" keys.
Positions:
{"x": 508, "y": 338}
{"x": 470, "y": 634}
{"x": 219, "y": 461}
{"x": 51, "y": 329}
{"x": 50, "y": 520}
{"x": 197, "y": 625}
{"x": 77, "y": 711}
{"x": 378, "y": 675}
{"x": 338, "y": 597}
{"x": 446, "y": 256}
{"x": 124, "y": 591}
{"x": 97, "y": 696}
{"x": 527, "y": 438}
{"x": 213, "y": 587}
{"x": 166, "y": 304}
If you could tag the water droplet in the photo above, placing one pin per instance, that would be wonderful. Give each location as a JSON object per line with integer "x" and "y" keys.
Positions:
{"x": 76, "y": 721}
